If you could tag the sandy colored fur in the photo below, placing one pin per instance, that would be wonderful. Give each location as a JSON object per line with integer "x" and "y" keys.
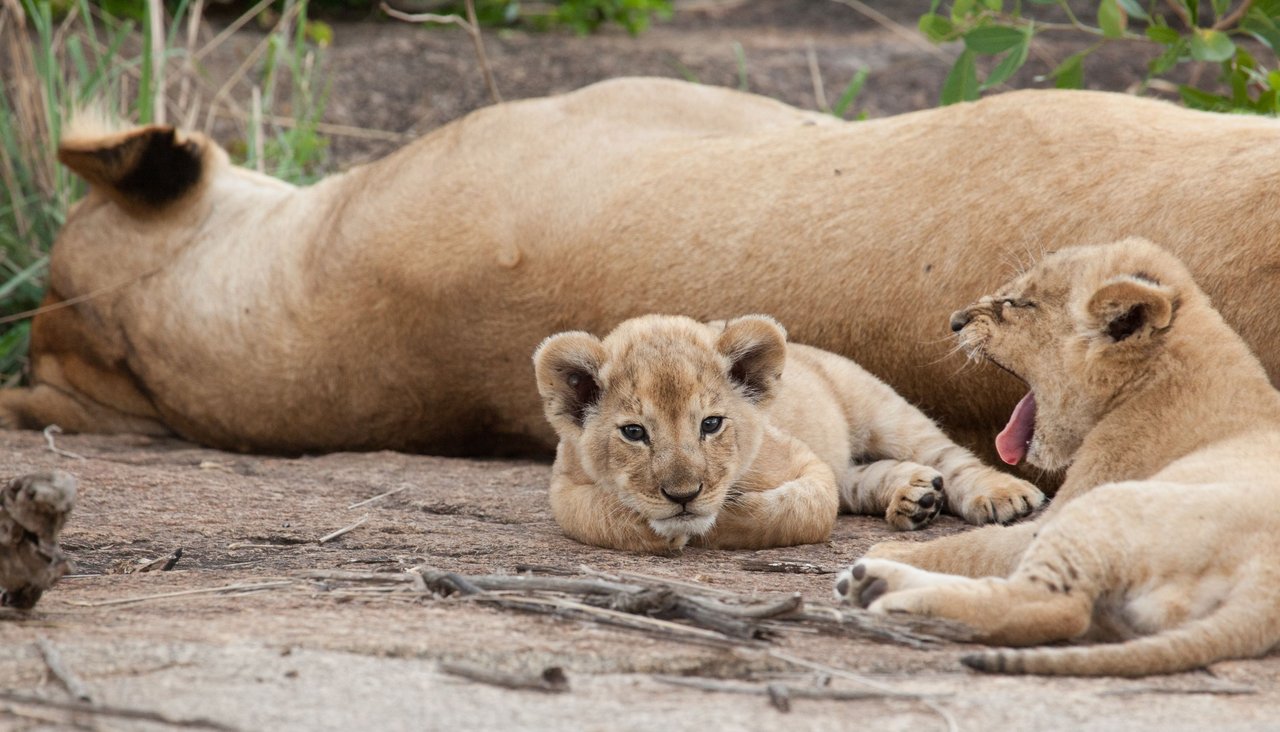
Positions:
{"x": 394, "y": 305}
{"x": 1164, "y": 535}
{"x": 802, "y": 431}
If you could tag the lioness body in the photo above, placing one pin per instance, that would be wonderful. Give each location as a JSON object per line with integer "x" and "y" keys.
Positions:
{"x": 672, "y": 430}
{"x": 395, "y": 305}
{"x": 1166, "y": 527}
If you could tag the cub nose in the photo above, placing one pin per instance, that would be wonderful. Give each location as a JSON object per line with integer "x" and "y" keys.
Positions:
{"x": 959, "y": 319}
{"x": 681, "y": 498}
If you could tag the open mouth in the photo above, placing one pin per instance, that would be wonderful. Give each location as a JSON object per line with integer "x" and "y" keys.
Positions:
{"x": 1015, "y": 439}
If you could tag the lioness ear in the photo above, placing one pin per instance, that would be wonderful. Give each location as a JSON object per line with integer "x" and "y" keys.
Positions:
{"x": 567, "y": 367}
{"x": 756, "y": 347}
{"x": 142, "y": 169}
{"x": 1131, "y": 306}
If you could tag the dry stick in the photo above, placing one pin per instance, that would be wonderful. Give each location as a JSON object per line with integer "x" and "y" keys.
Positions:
{"x": 815, "y": 73}
{"x": 155, "y": 11}
{"x": 241, "y": 587}
{"x": 378, "y": 497}
{"x": 909, "y": 34}
{"x": 663, "y": 628}
{"x": 950, "y": 721}
{"x": 109, "y": 711}
{"x": 242, "y": 70}
{"x": 784, "y": 567}
{"x": 1181, "y": 13}
{"x": 552, "y": 680}
{"x": 1219, "y": 690}
{"x": 1233, "y": 17}
{"x": 53, "y": 660}
{"x": 52, "y": 430}
{"x": 470, "y": 25}
{"x": 795, "y": 692}
{"x": 343, "y": 530}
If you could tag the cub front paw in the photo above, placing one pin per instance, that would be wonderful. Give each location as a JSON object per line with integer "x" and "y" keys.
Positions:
{"x": 918, "y": 501}
{"x": 1001, "y": 499}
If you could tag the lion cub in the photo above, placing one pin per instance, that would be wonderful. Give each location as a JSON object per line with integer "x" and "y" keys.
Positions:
{"x": 1139, "y": 386}
{"x": 672, "y": 430}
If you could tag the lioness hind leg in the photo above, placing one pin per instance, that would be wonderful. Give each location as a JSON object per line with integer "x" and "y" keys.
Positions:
{"x": 910, "y": 495}
{"x": 39, "y": 406}
{"x": 1017, "y": 611}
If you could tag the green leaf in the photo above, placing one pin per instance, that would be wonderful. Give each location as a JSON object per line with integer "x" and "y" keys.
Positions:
{"x": 1220, "y": 7}
{"x": 1211, "y": 45}
{"x": 1162, "y": 34}
{"x": 1169, "y": 58}
{"x": 1011, "y": 63}
{"x": 994, "y": 6}
{"x": 961, "y": 84}
{"x": 850, "y": 94}
{"x": 1070, "y": 73}
{"x": 1264, "y": 29}
{"x": 1111, "y": 19}
{"x": 993, "y": 39}
{"x": 1197, "y": 99}
{"x": 936, "y": 28}
{"x": 1134, "y": 9}
{"x": 960, "y": 9}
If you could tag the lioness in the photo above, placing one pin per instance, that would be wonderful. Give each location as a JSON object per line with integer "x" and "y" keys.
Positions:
{"x": 672, "y": 430}
{"x": 1140, "y": 387}
{"x": 395, "y": 305}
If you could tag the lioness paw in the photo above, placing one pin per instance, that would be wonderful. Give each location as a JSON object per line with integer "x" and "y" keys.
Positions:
{"x": 916, "y": 502}
{"x": 1001, "y": 499}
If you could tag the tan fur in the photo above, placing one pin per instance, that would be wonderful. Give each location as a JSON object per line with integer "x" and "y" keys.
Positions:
{"x": 1147, "y": 394}
{"x": 394, "y": 305}
{"x": 793, "y": 432}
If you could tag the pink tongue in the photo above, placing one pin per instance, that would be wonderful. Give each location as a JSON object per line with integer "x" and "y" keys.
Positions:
{"x": 1012, "y": 441}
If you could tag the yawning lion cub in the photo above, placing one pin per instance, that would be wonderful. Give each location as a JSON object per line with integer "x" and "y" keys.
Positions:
{"x": 1140, "y": 387}
{"x": 672, "y": 430}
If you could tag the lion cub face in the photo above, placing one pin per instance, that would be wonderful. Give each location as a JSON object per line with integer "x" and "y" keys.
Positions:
{"x": 664, "y": 411}
{"x": 1080, "y": 329}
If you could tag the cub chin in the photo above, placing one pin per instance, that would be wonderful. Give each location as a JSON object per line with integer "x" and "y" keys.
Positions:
{"x": 674, "y": 431}
{"x": 1166, "y": 534}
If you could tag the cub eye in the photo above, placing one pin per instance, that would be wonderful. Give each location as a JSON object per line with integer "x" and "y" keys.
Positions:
{"x": 712, "y": 425}
{"x": 634, "y": 433}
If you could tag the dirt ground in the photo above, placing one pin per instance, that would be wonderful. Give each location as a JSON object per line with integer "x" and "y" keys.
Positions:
{"x": 278, "y": 651}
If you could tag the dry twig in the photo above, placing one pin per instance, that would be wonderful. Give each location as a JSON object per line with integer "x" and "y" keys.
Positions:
{"x": 53, "y": 660}
{"x": 49, "y": 432}
{"x": 552, "y": 680}
{"x": 344, "y": 530}
{"x": 101, "y": 710}
{"x": 470, "y": 25}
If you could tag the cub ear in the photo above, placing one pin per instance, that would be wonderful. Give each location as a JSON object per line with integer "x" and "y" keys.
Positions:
{"x": 1131, "y": 306}
{"x": 142, "y": 169}
{"x": 756, "y": 346}
{"x": 567, "y": 368}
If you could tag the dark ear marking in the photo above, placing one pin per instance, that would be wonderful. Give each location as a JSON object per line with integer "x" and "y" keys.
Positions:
{"x": 756, "y": 347}
{"x": 142, "y": 170}
{"x": 567, "y": 368}
{"x": 586, "y": 392}
{"x": 1127, "y": 323}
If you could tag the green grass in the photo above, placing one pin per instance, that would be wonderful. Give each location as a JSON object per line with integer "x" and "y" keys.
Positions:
{"x": 64, "y": 57}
